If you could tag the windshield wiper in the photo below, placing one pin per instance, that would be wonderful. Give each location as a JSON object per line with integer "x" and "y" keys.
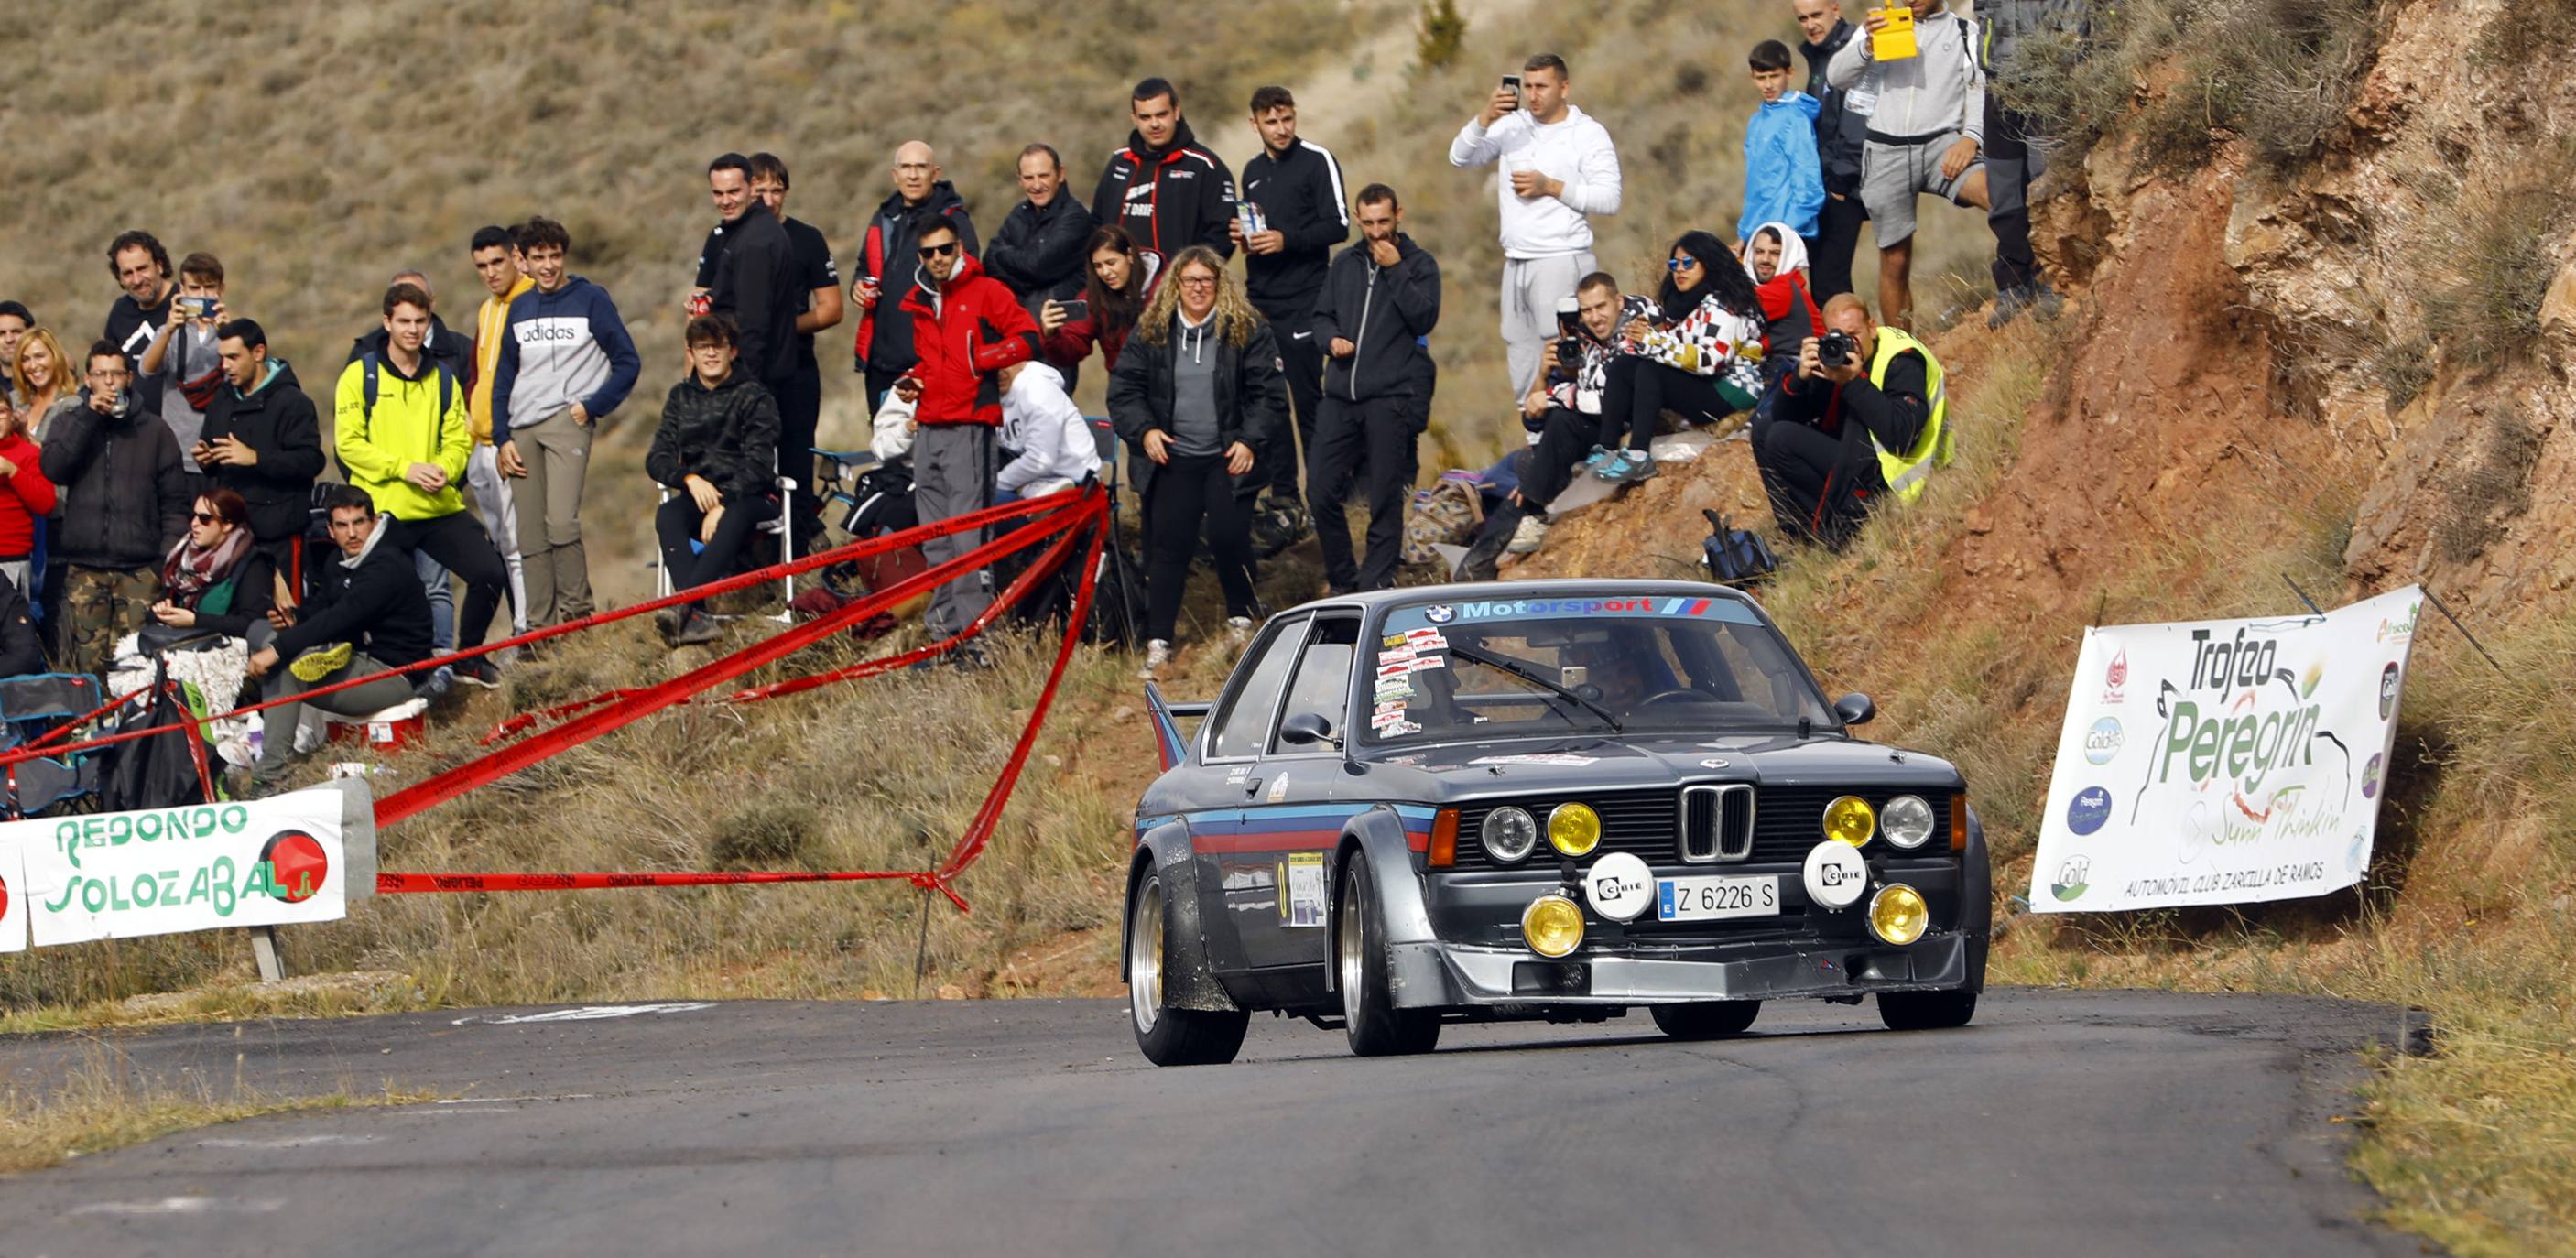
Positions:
{"x": 1529, "y": 673}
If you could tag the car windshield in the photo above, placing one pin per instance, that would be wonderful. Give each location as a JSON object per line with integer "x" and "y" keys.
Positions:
{"x": 1631, "y": 664}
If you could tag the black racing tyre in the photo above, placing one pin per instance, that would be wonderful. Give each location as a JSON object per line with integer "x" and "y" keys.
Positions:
{"x": 1168, "y": 1036}
{"x": 1706, "y": 1019}
{"x": 1926, "y": 1011}
{"x": 1369, "y": 1017}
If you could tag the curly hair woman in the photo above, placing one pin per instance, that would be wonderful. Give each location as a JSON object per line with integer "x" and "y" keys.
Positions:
{"x": 1196, "y": 392}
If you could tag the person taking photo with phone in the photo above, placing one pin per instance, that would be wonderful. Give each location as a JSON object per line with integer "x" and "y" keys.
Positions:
{"x": 1558, "y": 167}
{"x": 182, "y": 354}
{"x": 1038, "y": 254}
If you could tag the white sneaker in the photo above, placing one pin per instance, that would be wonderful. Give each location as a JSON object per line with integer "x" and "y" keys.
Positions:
{"x": 1527, "y": 538}
{"x": 1158, "y": 655}
{"x": 1238, "y": 630}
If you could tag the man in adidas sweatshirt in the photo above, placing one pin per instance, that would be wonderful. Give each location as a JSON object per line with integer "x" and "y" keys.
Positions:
{"x": 1165, "y": 187}
{"x": 1558, "y": 166}
{"x": 566, "y": 362}
{"x": 1298, "y": 188}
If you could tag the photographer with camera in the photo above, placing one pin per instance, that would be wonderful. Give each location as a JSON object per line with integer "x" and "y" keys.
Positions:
{"x": 1863, "y": 416}
{"x": 1564, "y": 407}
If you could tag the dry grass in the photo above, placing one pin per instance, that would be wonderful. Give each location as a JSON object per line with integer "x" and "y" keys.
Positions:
{"x": 105, "y": 1105}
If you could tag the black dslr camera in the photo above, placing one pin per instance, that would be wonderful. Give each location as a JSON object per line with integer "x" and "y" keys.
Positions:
{"x": 1835, "y": 349}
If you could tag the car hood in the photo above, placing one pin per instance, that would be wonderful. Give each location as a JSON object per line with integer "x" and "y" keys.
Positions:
{"x": 1458, "y": 771}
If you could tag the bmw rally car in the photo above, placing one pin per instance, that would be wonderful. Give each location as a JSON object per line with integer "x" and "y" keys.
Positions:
{"x": 1556, "y": 800}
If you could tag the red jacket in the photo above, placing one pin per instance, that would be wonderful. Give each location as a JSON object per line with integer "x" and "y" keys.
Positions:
{"x": 977, "y": 328}
{"x": 23, "y": 497}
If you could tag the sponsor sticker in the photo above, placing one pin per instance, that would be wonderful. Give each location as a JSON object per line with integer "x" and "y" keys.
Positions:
{"x": 2388, "y": 679}
{"x": 2103, "y": 741}
{"x": 1620, "y": 886}
{"x": 2090, "y": 808}
{"x": 2073, "y": 878}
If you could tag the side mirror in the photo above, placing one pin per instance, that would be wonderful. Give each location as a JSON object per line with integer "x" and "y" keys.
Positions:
{"x": 1854, "y": 709}
{"x": 1306, "y": 728}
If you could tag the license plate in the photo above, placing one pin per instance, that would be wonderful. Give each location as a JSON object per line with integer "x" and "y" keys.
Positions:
{"x": 1709, "y": 899}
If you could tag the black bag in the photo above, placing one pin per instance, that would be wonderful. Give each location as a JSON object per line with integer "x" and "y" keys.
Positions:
{"x": 1737, "y": 557}
{"x": 164, "y": 770}
{"x": 882, "y": 502}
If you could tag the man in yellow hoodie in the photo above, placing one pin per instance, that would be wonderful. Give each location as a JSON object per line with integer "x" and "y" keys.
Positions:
{"x": 495, "y": 251}
{"x": 404, "y": 436}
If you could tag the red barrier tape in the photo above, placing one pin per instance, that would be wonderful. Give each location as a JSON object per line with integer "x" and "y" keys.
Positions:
{"x": 1073, "y": 500}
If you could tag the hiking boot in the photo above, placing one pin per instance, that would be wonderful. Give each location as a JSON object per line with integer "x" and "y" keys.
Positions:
{"x": 667, "y": 621}
{"x": 1598, "y": 459}
{"x": 1630, "y": 467}
{"x": 1528, "y": 537}
{"x": 970, "y": 658}
{"x": 2045, "y": 304}
{"x": 696, "y": 628}
{"x": 1238, "y": 630}
{"x": 1158, "y": 656}
{"x": 435, "y": 686}
{"x": 321, "y": 661}
{"x": 479, "y": 671}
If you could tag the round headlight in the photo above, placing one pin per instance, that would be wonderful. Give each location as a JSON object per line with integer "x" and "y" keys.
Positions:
{"x": 1508, "y": 834}
{"x": 1850, "y": 820}
{"x": 1552, "y": 925}
{"x": 1573, "y": 829}
{"x": 1907, "y": 821}
{"x": 1898, "y": 914}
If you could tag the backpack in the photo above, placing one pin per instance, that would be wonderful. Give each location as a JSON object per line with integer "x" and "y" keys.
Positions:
{"x": 1737, "y": 557}
{"x": 1444, "y": 515}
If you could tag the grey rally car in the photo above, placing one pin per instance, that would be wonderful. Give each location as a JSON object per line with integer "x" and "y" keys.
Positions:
{"x": 1556, "y": 800}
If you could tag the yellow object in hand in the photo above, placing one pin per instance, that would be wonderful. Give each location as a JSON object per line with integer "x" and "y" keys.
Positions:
{"x": 1895, "y": 40}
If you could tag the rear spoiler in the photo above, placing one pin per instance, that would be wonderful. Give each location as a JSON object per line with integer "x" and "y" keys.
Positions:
{"x": 1169, "y": 741}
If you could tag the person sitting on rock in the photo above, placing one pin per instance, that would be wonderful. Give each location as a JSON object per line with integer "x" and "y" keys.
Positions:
{"x": 1777, "y": 260}
{"x": 1566, "y": 402}
{"x": 217, "y": 577}
{"x": 1704, "y": 362}
{"x": 1862, "y": 418}
{"x": 367, "y": 615}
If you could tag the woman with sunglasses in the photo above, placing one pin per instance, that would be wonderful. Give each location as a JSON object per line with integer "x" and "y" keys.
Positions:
{"x": 1196, "y": 393}
{"x": 1705, "y": 362}
{"x": 214, "y": 578}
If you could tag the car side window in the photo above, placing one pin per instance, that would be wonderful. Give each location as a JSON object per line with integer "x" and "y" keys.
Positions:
{"x": 1322, "y": 682}
{"x": 1244, "y": 722}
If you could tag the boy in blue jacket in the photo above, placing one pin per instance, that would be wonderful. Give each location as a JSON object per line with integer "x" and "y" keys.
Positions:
{"x": 1783, "y": 180}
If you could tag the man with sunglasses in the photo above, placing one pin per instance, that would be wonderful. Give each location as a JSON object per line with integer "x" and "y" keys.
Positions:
{"x": 966, "y": 327}
{"x": 125, "y": 503}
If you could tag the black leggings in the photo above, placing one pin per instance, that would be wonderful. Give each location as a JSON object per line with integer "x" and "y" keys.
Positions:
{"x": 1565, "y": 438}
{"x": 1818, "y": 483}
{"x": 676, "y": 521}
{"x": 1185, "y": 492}
{"x": 1639, "y": 390}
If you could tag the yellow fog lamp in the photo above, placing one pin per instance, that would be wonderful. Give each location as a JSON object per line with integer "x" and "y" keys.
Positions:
{"x": 1850, "y": 820}
{"x": 1552, "y": 926}
{"x": 1898, "y": 915}
{"x": 1573, "y": 829}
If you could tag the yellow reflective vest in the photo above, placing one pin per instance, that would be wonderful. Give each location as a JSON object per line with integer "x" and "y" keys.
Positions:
{"x": 1905, "y": 472}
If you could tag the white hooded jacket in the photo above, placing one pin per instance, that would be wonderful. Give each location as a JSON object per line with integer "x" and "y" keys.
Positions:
{"x": 1056, "y": 445}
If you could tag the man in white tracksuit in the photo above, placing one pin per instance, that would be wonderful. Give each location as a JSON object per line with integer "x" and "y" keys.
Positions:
{"x": 1558, "y": 166}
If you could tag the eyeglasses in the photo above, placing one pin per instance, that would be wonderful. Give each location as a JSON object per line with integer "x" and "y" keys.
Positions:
{"x": 938, "y": 251}
{"x": 1198, "y": 281}
{"x": 203, "y": 517}
{"x": 1682, "y": 263}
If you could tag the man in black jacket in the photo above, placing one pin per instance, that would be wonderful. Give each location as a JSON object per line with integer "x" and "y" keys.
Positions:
{"x": 800, "y": 396}
{"x": 125, "y": 504}
{"x": 263, "y": 440}
{"x": 1165, "y": 187}
{"x": 890, "y": 262}
{"x": 367, "y": 614}
{"x": 1817, "y": 448}
{"x": 1038, "y": 254}
{"x": 1297, "y": 189}
{"x": 1380, "y": 299}
{"x": 1840, "y": 130}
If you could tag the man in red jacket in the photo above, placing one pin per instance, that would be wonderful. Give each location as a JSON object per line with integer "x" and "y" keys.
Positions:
{"x": 966, "y": 327}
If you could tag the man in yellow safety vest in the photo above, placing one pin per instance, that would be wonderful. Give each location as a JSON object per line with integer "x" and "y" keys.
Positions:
{"x": 1864, "y": 416}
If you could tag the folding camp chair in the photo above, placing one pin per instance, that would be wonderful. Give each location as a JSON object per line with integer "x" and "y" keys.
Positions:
{"x": 780, "y": 528}
{"x": 29, "y": 707}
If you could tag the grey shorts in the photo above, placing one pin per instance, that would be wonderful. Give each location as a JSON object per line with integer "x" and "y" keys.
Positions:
{"x": 1892, "y": 175}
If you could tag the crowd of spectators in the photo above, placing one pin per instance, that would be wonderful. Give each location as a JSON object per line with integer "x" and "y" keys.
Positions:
{"x": 175, "y": 475}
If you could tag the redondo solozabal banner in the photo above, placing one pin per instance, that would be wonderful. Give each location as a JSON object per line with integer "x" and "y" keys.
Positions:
{"x": 269, "y": 862}
{"x": 2223, "y": 762}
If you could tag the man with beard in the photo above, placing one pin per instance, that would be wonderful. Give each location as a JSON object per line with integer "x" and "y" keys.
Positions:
{"x": 1378, "y": 304}
{"x": 888, "y": 264}
{"x": 1165, "y": 187}
{"x": 141, "y": 266}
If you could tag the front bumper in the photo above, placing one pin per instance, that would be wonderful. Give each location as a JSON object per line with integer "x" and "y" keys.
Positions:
{"x": 1448, "y": 975}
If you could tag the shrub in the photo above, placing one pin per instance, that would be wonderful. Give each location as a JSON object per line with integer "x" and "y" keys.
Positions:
{"x": 1443, "y": 30}
{"x": 2484, "y": 306}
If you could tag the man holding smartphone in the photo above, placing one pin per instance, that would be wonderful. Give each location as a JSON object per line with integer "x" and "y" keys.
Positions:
{"x": 1558, "y": 167}
{"x": 1297, "y": 186}
{"x": 1039, "y": 252}
{"x": 182, "y": 355}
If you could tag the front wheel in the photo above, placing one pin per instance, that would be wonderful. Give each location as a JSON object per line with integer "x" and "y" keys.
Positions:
{"x": 1369, "y": 1017}
{"x": 1706, "y": 1019}
{"x": 1168, "y": 1036}
{"x": 1926, "y": 1011}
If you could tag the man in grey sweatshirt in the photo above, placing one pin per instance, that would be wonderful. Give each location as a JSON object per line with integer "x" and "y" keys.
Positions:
{"x": 1927, "y": 121}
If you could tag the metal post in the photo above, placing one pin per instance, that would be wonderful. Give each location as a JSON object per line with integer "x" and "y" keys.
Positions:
{"x": 263, "y": 947}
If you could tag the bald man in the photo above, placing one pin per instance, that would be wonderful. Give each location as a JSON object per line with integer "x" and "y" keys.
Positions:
{"x": 889, "y": 264}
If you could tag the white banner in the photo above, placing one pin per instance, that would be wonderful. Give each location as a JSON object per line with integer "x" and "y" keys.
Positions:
{"x": 268, "y": 862}
{"x": 2223, "y": 762}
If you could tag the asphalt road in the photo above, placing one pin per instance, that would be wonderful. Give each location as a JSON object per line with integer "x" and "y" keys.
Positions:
{"x": 2099, "y": 1123}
